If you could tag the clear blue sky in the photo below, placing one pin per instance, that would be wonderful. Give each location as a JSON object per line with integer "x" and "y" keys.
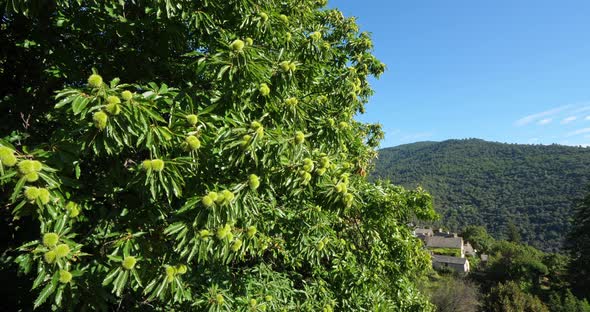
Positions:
{"x": 502, "y": 70}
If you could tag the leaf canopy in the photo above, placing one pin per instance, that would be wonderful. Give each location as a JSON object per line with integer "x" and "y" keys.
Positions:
{"x": 150, "y": 120}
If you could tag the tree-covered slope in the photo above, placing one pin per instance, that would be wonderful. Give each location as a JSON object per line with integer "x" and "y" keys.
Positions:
{"x": 492, "y": 184}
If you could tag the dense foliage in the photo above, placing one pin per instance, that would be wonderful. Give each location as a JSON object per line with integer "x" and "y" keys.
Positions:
{"x": 510, "y": 298}
{"x": 515, "y": 277}
{"x": 475, "y": 182}
{"x": 478, "y": 237}
{"x": 209, "y": 161}
{"x": 578, "y": 247}
{"x": 451, "y": 293}
{"x": 518, "y": 277}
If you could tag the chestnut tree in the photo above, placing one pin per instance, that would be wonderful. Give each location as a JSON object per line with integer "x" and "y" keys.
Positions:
{"x": 197, "y": 155}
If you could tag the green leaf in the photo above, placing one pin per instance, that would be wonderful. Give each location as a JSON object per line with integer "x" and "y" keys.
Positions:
{"x": 45, "y": 293}
{"x": 65, "y": 101}
{"x": 17, "y": 188}
{"x": 161, "y": 288}
{"x": 109, "y": 278}
{"x": 174, "y": 228}
{"x": 115, "y": 82}
{"x": 58, "y": 295}
{"x": 79, "y": 104}
{"x": 136, "y": 277}
{"x": 41, "y": 275}
{"x": 77, "y": 169}
{"x": 208, "y": 109}
{"x": 121, "y": 282}
{"x": 190, "y": 204}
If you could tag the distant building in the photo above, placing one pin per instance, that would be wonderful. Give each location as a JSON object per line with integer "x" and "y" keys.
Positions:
{"x": 441, "y": 232}
{"x": 447, "y": 249}
{"x": 460, "y": 265}
{"x": 445, "y": 242}
{"x": 421, "y": 233}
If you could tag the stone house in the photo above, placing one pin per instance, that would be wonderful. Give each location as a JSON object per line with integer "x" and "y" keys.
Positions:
{"x": 447, "y": 249}
{"x": 460, "y": 265}
{"x": 441, "y": 232}
{"x": 445, "y": 242}
{"x": 423, "y": 233}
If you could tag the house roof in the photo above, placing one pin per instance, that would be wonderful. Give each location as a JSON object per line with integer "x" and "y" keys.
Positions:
{"x": 468, "y": 248}
{"x": 445, "y": 234}
{"x": 448, "y": 259}
{"x": 444, "y": 242}
{"x": 423, "y": 232}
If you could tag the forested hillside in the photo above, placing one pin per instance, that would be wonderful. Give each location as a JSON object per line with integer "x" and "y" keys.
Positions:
{"x": 474, "y": 182}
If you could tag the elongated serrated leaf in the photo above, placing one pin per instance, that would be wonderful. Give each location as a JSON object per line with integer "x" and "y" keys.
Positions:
{"x": 65, "y": 101}
{"x": 189, "y": 204}
{"x": 19, "y": 185}
{"x": 149, "y": 286}
{"x": 174, "y": 228}
{"x": 208, "y": 109}
{"x": 136, "y": 277}
{"x": 67, "y": 92}
{"x": 18, "y": 207}
{"x": 39, "y": 280}
{"x": 109, "y": 278}
{"x": 126, "y": 248}
{"x": 161, "y": 288}
{"x": 7, "y": 176}
{"x": 59, "y": 296}
{"x": 121, "y": 282}
{"x": 45, "y": 293}
{"x": 79, "y": 104}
